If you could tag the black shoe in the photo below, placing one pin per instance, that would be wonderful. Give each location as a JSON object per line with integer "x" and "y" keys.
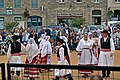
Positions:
{"x": 103, "y": 76}
{"x": 69, "y": 77}
{"x": 18, "y": 73}
{"x": 12, "y": 72}
{"x": 56, "y": 78}
{"x": 108, "y": 75}
{"x": 32, "y": 79}
{"x": 85, "y": 75}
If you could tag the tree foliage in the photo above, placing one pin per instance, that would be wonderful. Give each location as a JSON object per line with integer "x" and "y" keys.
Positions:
{"x": 76, "y": 22}
{"x": 10, "y": 25}
{"x": 110, "y": 14}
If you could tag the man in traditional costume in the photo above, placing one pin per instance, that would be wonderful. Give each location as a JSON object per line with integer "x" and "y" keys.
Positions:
{"x": 85, "y": 55}
{"x": 106, "y": 52}
{"x": 32, "y": 57}
{"x": 62, "y": 55}
{"x": 14, "y": 55}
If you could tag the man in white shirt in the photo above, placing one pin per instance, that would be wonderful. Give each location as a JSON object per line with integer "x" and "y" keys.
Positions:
{"x": 107, "y": 49}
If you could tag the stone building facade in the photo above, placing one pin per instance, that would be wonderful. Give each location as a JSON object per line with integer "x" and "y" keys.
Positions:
{"x": 115, "y": 6}
{"x": 53, "y": 12}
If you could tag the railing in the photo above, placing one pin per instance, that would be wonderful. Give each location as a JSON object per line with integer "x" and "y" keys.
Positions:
{"x": 49, "y": 75}
{"x": 2, "y": 71}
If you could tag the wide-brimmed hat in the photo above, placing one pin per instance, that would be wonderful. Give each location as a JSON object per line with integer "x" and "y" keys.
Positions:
{"x": 104, "y": 31}
{"x": 60, "y": 40}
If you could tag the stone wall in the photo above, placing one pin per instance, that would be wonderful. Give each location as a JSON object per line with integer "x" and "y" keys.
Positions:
{"x": 55, "y": 8}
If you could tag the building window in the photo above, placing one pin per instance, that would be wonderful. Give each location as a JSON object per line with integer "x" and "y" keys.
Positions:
{"x": 1, "y": 3}
{"x": 17, "y": 3}
{"x": 96, "y": 1}
{"x": 34, "y": 3}
{"x": 117, "y": 1}
{"x": 1, "y": 18}
{"x": 1, "y": 22}
{"x": 79, "y": 1}
{"x": 62, "y": 1}
{"x": 17, "y": 18}
{"x": 9, "y": 0}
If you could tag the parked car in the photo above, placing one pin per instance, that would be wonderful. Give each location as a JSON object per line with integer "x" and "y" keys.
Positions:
{"x": 92, "y": 28}
{"x": 101, "y": 27}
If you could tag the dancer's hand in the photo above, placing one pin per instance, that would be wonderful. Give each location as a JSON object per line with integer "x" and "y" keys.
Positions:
{"x": 111, "y": 55}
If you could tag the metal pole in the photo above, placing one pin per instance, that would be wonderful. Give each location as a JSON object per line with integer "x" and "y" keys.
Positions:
{"x": 46, "y": 12}
{"x": 107, "y": 13}
{"x": 8, "y": 72}
{"x": 3, "y": 71}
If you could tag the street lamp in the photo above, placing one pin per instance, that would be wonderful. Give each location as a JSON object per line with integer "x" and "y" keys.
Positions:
{"x": 46, "y": 12}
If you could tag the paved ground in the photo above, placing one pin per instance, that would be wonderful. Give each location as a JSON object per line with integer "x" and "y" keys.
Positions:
{"x": 3, "y": 59}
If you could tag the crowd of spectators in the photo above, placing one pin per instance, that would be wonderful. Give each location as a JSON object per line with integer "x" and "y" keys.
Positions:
{"x": 54, "y": 32}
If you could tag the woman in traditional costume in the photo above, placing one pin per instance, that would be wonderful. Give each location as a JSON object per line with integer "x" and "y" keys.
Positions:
{"x": 32, "y": 57}
{"x": 85, "y": 54}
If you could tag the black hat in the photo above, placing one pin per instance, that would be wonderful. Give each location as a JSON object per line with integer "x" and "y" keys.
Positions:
{"x": 104, "y": 31}
{"x": 60, "y": 40}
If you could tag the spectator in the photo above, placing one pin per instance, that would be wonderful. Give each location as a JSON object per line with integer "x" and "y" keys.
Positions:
{"x": 41, "y": 31}
{"x": 20, "y": 34}
{"x": 58, "y": 32}
{"x": 0, "y": 38}
{"x": 10, "y": 35}
{"x": 16, "y": 32}
{"x": 77, "y": 41}
{"x": 14, "y": 55}
{"x": 95, "y": 35}
{"x": 25, "y": 36}
{"x": 66, "y": 30}
{"x": 3, "y": 33}
{"x": 98, "y": 31}
{"x": 47, "y": 30}
{"x": 71, "y": 45}
{"x": 72, "y": 31}
{"x": 53, "y": 35}
{"x": 85, "y": 29}
{"x": 21, "y": 28}
{"x": 52, "y": 44}
{"x": 80, "y": 31}
{"x": 110, "y": 30}
{"x": 28, "y": 29}
{"x": 34, "y": 35}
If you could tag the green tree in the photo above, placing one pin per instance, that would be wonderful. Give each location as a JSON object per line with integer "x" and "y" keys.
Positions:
{"x": 110, "y": 14}
{"x": 10, "y": 25}
{"x": 76, "y": 22}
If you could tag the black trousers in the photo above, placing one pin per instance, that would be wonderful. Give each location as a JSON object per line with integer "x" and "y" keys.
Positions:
{"x": 105, "y": 72}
